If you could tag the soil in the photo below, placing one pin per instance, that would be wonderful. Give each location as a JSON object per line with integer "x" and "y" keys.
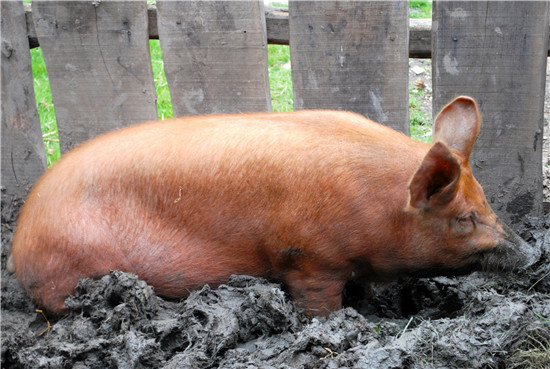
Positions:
{"x": 546, "y": 137}
{"x": 475, "y": 321}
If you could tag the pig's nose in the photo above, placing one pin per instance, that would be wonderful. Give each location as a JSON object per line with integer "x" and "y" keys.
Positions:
{"x": 528, "y": 254}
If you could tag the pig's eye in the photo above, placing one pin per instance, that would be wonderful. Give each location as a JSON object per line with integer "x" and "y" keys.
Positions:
{"x": 466, "y": 223}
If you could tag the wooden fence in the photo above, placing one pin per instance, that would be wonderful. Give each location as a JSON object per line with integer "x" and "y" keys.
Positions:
{"x": 345, "y": 55}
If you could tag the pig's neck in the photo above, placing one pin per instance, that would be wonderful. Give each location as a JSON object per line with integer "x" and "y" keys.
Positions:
{"x": 393, "y": 229}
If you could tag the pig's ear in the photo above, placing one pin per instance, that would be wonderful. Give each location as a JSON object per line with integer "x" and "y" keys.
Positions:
{"x": 436, "y": 181}
{"x": 458, "y": 125}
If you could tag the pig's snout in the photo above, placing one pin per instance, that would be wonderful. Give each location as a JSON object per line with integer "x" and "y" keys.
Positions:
{"x": 514, "y": 253}
{"x": 528, "y": 255}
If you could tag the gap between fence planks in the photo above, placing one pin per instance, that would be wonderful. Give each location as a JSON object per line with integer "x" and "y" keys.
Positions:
{"x": 420, "y": 30}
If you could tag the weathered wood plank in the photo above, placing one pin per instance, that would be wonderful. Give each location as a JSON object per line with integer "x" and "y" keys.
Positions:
{"x": 97, "y": 56}
{"x": 215, "y": 56}
{"x": 352, "y": 55}
{"x": 23, "y": 153}
{"x": 495, "y": 51}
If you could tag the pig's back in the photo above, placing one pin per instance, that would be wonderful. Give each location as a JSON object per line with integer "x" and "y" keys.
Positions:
{"x": 166, "y": 154}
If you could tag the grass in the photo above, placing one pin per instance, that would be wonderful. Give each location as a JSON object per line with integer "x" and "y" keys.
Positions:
{"x": 279, "y": 4}
{"x": 420, "y": 121}
{"x": 164, "y": 101}
{"x": 279, "y": 79}
{"x": 533, "y": 352}
{"x": 44, "y": 103}
{"x": 421, "y": 128}
{"x": 420, "y": 8}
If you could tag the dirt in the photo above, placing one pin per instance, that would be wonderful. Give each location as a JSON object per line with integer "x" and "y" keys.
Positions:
{"x": 546, "y": 137}
{"x": 475, "y": 321}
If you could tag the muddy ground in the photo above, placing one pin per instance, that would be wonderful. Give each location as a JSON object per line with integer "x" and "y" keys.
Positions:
{"x": 476, "y": 321}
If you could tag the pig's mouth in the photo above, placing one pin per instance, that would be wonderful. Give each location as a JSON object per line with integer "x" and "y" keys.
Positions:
{"x": 511, "y": 254}
{"x": 505, "y": 258}
{"x": 510, "y": 257}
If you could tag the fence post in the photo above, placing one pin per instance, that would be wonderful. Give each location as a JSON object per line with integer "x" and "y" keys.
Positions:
{"x": 23, "y": 153}
{"x": 352, "y": 55}
{"x": 495, "y": 51}
{"x": 99, "y": 65}
{"x": 215, "y": 56}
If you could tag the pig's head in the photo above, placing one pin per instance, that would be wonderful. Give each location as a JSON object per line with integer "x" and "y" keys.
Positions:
{"x": 456, "y": 228}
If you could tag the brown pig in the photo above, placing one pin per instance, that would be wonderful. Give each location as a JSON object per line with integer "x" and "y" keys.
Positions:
{"x": 313, "y": 199}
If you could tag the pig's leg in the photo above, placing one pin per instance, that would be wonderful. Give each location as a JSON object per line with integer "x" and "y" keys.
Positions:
{"x": 318, "y": 294}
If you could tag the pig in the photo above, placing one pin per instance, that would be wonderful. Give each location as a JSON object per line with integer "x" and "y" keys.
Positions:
{"x": 312, "y": 199}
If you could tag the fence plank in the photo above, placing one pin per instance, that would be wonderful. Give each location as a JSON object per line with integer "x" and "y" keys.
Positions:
{"x": 23, "y": 153}
{"x": 351, "y": 55}
{"x": 495, "y": 51}
{"x": 97, "y": 56}
{"x": 215, "y": 55}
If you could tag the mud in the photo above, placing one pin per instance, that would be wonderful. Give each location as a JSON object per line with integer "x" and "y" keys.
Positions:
{"x": 476, "y": 321}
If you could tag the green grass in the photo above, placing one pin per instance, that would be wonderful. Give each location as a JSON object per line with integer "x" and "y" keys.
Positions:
{"x": 164, "y": 102}
{"x": 279, "y": 4}
{"x": 279, "y": 79}
{"x": 45, "y": 107}
{"x": 420, "y": 8}
{"x": 421, "y": 128}
{"x": 280, "y": 82}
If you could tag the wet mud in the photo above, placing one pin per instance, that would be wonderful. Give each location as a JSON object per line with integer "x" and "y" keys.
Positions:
{"x": 475, "y": 321}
